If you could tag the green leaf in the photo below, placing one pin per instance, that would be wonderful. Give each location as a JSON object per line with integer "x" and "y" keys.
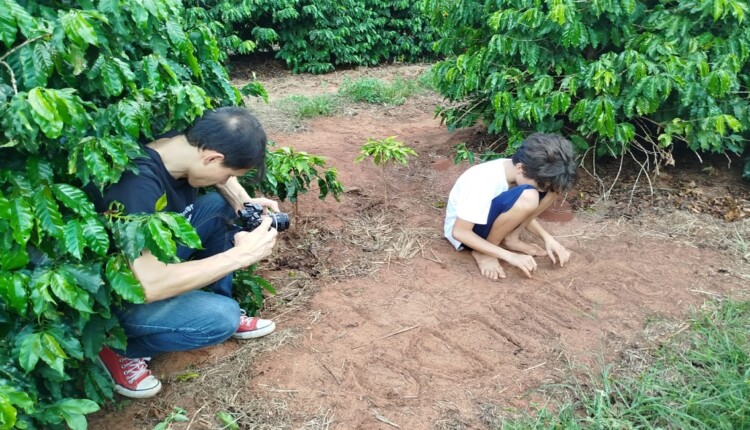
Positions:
{"x": 52, "y": 353}
{"x": 78, "y": 29}
{"x": 29, "y": 350}
{"x": 74, "y": 199}
{"x": 8, "y": 413}
{"x": 44, "y": 113}
{"x": 94, "y": 335}
{"x": 95, "y": 160}
{"x": 47, "y": 212}
{"x": 74, "y": 240}
{"x": 63, "y": 286}
{"x": 130, "y": 238}
{"x": 122, "y": 280}
{"x": 160, "y": 240}
{"x": 73, "y": 411}
{"x": 111, "y": 80}
{"x": 22, "y": 220}
{"x": 7, "y": 25}
{"x": 14, "y": 257}
{"x": 86, "y": 277}
{"x": 130, "y": 114}
{"x": 181, "y": 228}
{"x": 4, "y": 208}
{"x": 68, "y": 341}
{"x": 14, "y": 291}
{"x": 96, "y": 236}
{"x": 161, "y": 203}
{"x": 255, "y": 89}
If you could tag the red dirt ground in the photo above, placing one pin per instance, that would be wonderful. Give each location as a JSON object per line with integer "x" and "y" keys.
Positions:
{"x": 414, "y": 336}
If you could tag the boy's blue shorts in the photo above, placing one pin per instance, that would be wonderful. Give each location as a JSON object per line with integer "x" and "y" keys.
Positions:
{"x": 501, "y": 204}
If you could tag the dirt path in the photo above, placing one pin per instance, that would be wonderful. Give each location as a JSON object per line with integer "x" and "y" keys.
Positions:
{"x": 382, "y": 325}
{"x": 426, "y": 339}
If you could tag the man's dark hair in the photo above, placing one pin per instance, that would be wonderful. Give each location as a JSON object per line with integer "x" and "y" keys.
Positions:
{"x": 235, "y": 133}
{"x": 549, "y": 160}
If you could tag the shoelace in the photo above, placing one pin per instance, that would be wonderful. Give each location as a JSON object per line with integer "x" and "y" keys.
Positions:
{"x": 244, "y": 319}
{"x": 133, "y": 368}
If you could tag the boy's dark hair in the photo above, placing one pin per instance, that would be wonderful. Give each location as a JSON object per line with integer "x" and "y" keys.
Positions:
{"x": 235, "y": 133}
{"x": 549, "y": 160}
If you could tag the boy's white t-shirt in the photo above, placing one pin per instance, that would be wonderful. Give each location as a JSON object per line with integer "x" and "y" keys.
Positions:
{"x": 471, "y": 196}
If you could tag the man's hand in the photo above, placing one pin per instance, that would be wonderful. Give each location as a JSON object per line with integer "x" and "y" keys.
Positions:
{"x": 255, "y": 245}
{"x": 554, "y": 249}
{"x": 526, "y": 263}
{"x": 266, "y": 203}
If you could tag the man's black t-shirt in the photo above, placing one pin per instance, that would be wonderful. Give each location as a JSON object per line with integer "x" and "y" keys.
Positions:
{"x": 139, "y": 192}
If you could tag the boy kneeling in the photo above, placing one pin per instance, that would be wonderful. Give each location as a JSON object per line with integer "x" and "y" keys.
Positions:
{"x": 493, "y": 202}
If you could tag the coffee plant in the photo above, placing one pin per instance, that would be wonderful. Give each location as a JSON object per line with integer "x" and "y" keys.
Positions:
{"x": 609, "y": 74}
{"x": 383, "y": 153}
{"x": 291, "y": 173}
{"x": 80, "y": 84}
{"x": 316, "y": 36}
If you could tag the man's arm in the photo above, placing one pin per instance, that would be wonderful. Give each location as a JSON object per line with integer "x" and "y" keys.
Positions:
{"x": 162, "y": 281}
{"x": 464, "y": 233}
{"x": 236, "y": 195}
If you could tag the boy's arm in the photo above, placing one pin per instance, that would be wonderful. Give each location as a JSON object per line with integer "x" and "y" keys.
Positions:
{"x": 553, "y": 246}
{"x": 464, "y": 233}
{"x": 162, "y": 281}
{"x": 237, "y": 195}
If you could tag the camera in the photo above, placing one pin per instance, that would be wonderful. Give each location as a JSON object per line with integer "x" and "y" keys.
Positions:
{"x": 249, "y": 218}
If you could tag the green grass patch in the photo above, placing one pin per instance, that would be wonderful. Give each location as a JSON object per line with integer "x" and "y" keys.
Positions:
{"x": 306, "y": 107}
{"x": 426, "y": 80}
{"x": 376, "y": 91}
{"x": 699, "y": 379}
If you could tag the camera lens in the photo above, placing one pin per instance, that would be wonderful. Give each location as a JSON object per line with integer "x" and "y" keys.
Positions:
{"x": 280, "y": 221}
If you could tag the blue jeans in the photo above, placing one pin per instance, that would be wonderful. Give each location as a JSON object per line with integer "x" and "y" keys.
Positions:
{"x": 197, "y": 318}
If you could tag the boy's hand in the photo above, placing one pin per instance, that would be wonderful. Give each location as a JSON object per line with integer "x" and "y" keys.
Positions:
{"x": 526, "y": 263}
{"x": 554, "y": 249}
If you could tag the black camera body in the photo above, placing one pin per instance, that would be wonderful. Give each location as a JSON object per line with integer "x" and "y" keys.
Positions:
{"x": 250, "y": 218}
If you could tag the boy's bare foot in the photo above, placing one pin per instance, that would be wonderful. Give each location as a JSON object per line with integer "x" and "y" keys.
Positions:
{"x": 524, "y": 247}
{"x": 488, "y": 266}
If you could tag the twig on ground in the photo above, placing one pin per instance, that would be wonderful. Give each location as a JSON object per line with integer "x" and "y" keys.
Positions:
{"x": 384, "y": 419}
{"x": 706, "y": 292}
{"x": 534, "y": 367}
{"x": 593, "y": 175}
{"x": 436, "y": 259}
{"x": 388, "y": 335}
{"x": 338, "y": 382}
{"x": 400, "y": 331}
{"x": 195, "y": 415}
{"x": 614, "y": 181}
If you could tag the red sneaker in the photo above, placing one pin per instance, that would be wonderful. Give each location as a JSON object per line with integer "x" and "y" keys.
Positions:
{"x": 253, "y": 327}
{"x": 130, "y": 375}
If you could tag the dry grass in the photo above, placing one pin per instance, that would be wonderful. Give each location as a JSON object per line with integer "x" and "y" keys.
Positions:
{"x": 220, "y": 387}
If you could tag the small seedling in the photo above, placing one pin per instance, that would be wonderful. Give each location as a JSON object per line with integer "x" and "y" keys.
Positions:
{"x": 228, "y": 422}
{"x": 177, "y": 415}
{"x": 463, "y": 153}
{"x": 187, "y": 376}
{"x": 383, "y": 152}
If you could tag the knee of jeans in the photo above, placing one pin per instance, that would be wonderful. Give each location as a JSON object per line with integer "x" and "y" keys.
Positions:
{"x": 224, "y": 315}
{"x": 215, "y": 199}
